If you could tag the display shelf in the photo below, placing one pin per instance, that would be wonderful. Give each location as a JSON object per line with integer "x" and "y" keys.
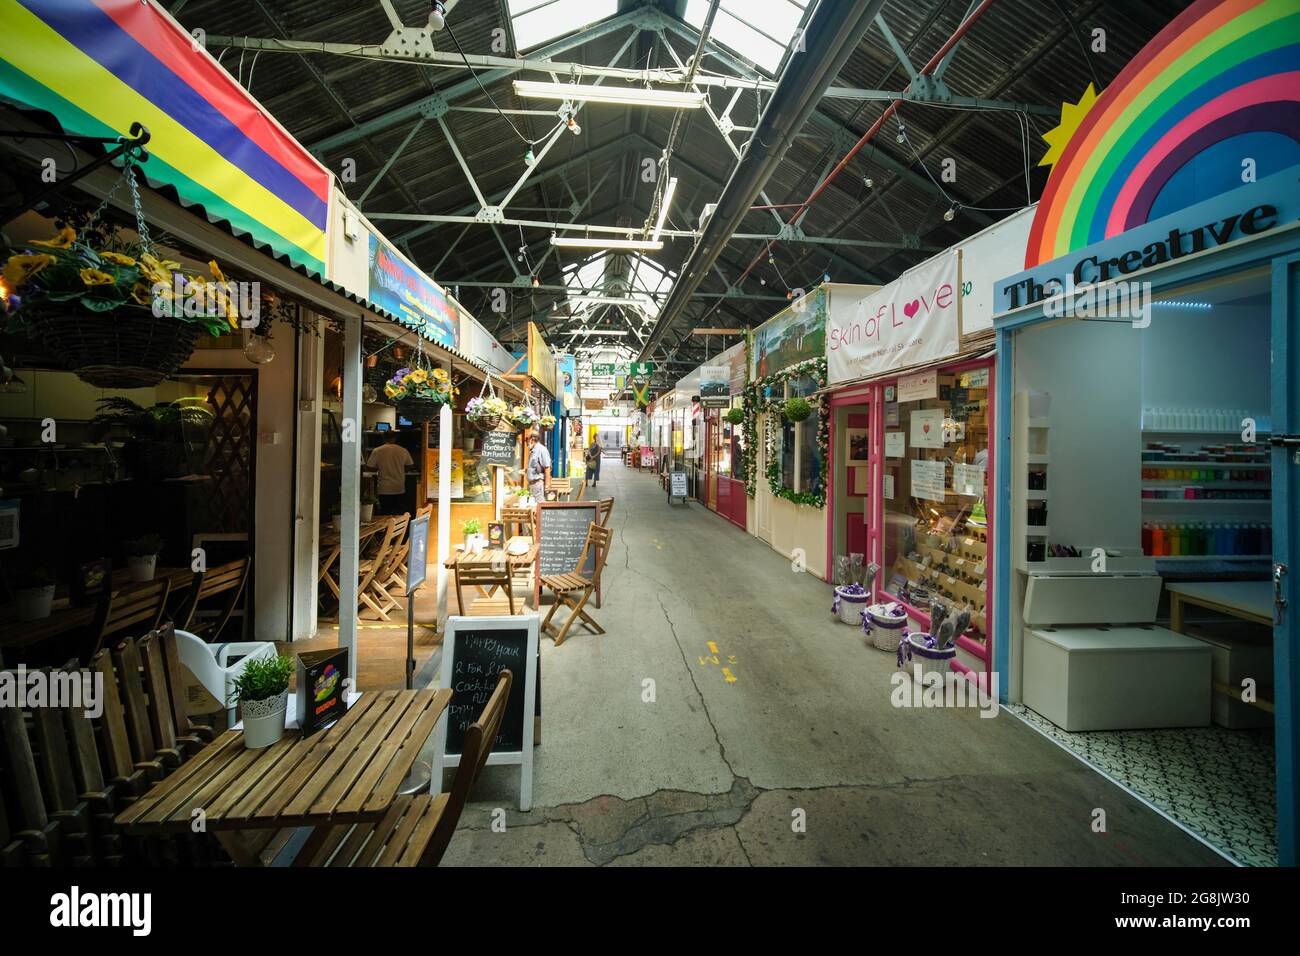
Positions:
{"x": 1212, "y": 432}
{"x": 1035, "y": 531}
{"x": 1038, "y": 459}
{"x": 1224, "y": 502}
{"x": 1171, "y": 483}
{"x": 1211, "y": 557}
{"x": 1038, "y": 495}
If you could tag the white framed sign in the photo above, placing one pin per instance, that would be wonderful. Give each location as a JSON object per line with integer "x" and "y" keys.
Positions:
{"x": 474, "y": 652}
{"x": 927, "y": 428}
{"x": 922, "y": 385}
{"x": 968, "y": 479}
{"x": 928, "y": 479}
{"x": 895, "y": 444}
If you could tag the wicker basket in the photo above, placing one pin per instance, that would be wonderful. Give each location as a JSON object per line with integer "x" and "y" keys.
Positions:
{"x": 850, "y": 605}
{"x": 419, "y": 409}
{"x": 129, "y": 347}
{"x": 486, "y": 423}
{"x": 927, "y": 660}
{"x": 886, "y": 630}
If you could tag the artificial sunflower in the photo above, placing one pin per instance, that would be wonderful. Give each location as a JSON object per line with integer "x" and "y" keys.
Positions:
{"x": 440, "y": 374}
{"x": 142, "y": 294}
{"x": 117, "y": 258}
{"x": 419, "y": 376}
{"x": 159, "y": 270}
{"x": 217, "y": 274}
{"x": 93, "y": 277}
{"x": 64, "y": 240}
{"x": 22, "y": 267}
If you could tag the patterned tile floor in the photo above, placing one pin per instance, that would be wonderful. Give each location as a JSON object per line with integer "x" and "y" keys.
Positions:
{"x": 1218, "y": 783}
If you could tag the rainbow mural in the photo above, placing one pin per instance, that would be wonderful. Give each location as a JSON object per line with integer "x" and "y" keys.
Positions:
{"x": 1223, "y": 71}
{"x": 100, "y": 65}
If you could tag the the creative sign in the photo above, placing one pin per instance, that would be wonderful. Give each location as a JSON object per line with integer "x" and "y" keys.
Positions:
{"x": 1216, "y": 86}
{"x": 399, "y": 288}
{"x": 99, "y": 67}
{"x": 795, "y": 335}
{"x": 911, "y": 321}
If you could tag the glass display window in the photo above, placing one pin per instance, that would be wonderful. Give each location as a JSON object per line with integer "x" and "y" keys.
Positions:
{"x": 935, "y": 489}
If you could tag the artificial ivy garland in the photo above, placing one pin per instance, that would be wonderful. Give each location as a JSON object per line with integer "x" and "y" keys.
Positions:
{"x": 753, "y": 404}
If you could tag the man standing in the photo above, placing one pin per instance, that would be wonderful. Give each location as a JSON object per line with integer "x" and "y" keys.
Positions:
{"x": 592, "y": 459}
{"x": 538, "y": 470}
{"x": 391, "y": 460}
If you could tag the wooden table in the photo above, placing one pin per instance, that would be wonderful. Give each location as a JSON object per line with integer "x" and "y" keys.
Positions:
{"x": 1248, "y": 600}
{"x": 494, "y": 557}
{"x": 66, "y": 616}
{"x": 348, "y": 773}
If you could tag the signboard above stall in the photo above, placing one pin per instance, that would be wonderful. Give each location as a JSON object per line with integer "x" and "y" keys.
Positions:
{"x": 398, "y": 287}
{"x": 794, "y": 335}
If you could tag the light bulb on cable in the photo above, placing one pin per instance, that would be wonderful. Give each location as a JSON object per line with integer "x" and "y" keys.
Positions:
{"x": 437, "y": 16}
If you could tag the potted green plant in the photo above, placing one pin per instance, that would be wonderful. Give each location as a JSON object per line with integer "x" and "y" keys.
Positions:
{"x": 368, "y": 502}
{"x": 142, "y": 556}
{"x": 34, "y": 595}
{"x": 475, "y": 540}
{"x": 735, "y": 415}
{"x": 157, "y": 445}
{"x": 797, "y": 409}
{"x": 262, "y": 692}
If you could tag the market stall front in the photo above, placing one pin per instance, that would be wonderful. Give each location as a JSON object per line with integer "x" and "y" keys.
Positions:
{"x": 722, "y": 397}
{"x": 1145, "y": 524}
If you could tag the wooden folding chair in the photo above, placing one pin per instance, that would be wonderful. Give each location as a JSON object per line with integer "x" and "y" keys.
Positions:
{"x": 140, "y": 607}
{"x": 487, "y": 578}
{"x": 519, "y": 522}
{"x": 566, "y": 586}
{"x": 228, "y": 581}
{"x": 385, "y": 570}
{"x": 563, "y": 487}
{"x": 419, "y": 827}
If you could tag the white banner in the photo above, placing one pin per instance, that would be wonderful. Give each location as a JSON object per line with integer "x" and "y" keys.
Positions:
{"x": 911, "y": 321}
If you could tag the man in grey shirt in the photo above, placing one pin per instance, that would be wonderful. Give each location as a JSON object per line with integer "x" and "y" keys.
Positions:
{"x": 538, "y": 472}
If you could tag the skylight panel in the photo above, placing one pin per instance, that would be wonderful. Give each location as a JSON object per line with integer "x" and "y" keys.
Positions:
{"x": 758, "y": 30}
{"x": 536, "y": 21}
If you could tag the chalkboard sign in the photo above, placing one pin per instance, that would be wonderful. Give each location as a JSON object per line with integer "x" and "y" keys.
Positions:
{"x": 499, "y": 448}
{"x": 564, "y": 526}
{"x": 475, "y": 650}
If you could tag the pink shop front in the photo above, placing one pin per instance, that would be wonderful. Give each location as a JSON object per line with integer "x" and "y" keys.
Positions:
{"x": 910, "y": 395}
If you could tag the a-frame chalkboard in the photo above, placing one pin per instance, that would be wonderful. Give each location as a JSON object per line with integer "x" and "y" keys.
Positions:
{"x": 474, "y": 651}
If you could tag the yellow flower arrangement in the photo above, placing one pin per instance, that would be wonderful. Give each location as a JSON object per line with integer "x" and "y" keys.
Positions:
{"x": 117, "y": 258}
{"x": 94, "y": 277}
{"x": 419, "y": 376}
{"x": 217, "y": 274}
{"x": 20, "y": 268}
{"x": 64, "y": 240}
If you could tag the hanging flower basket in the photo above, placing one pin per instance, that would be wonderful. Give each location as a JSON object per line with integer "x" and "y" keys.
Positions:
{"x": 109, "y": 309}
{"x": 548, "y": 421}
{"x": 420, "y": 392}
{"x": 419, "y": 410}
{"x": 797, "y": 409}
{"x": 735, "y": 415}
{"x": 128, "y": 348}
{"x": 521, "y": 416}
{"x": 485, "y": 414}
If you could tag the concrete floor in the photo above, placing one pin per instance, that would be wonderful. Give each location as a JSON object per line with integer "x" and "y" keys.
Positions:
{"x": 713, "y": 772}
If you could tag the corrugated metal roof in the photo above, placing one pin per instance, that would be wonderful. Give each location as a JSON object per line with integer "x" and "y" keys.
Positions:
{"x": 1021, "y": 51}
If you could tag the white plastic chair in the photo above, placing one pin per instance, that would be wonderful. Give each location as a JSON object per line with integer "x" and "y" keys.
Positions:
{"x": 209, "y": 663}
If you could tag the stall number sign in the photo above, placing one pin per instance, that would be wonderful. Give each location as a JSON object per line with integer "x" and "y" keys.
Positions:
{"x": 623, "y": 368}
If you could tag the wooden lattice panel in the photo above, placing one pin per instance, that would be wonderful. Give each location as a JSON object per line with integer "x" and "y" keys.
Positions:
{"x": 231, "y": 446}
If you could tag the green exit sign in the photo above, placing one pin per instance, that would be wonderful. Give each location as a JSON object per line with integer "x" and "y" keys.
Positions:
{"x": 623, "y": 368}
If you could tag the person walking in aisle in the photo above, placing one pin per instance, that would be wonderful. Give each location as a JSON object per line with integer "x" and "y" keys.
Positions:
{"x": 538, "y": 471}
{"x": 592, "y": 459}
{"x": 390, "y": 460}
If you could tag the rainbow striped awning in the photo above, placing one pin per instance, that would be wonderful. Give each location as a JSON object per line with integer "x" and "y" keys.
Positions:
{"x": 101, "y": 65}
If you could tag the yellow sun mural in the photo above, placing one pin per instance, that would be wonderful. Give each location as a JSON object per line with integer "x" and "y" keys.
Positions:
{"x": 1072, "y": 115}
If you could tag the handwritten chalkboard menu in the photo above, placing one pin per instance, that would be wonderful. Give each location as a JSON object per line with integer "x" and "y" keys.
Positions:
{"x": 563, "y": 533}
{"x": 499, "y": 448}
{"x": 477, "y": 658}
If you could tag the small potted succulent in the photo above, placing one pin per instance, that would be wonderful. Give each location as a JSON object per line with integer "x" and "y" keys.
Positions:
{"x": 142, "y": 556}
{"x": 262, "y": 692}
{"x": 735, "y": 415}
{"x": 475, "y": 540}
{"x": 368, "y": 502}
{"x": 34, "y": 595}
{"x": 797, "y": 409}
{"x": 485, "y": 414}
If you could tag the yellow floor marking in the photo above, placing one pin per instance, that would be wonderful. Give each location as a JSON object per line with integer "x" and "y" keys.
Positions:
{"x": 713, "y": 647}
{"x": 730, "y": 677}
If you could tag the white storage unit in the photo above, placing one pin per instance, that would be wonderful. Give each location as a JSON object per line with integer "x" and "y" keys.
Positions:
{"x": 1092, "y": 660}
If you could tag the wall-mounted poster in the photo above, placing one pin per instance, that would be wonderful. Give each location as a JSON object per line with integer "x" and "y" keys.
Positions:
{"x": 888, "y": 487}
{"x": 406, "y": 292}
{"x": 895, "y": 444}
{"x": 859, "y": 440}
{"x": 927, "y": 428}
{"x": 797, "y": 334}
{"x": 891, "y": 414}
{"x": 928, "y": 479}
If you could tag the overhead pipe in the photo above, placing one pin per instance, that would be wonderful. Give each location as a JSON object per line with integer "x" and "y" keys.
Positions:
{"x": 875, "y": 128}
{"x": 832, "y": 34}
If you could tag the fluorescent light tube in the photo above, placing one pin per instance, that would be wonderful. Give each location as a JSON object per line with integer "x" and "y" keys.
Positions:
{"x": 595, "y": 242}
{"x": 597, "y": 332}
{"x": 663, "y": 207}
{"x": 626, "y": 96}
